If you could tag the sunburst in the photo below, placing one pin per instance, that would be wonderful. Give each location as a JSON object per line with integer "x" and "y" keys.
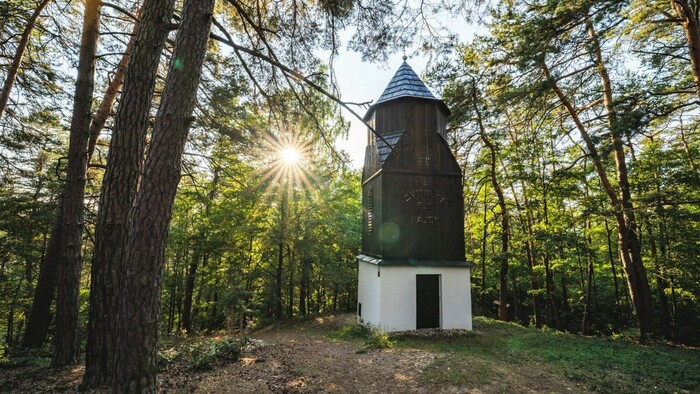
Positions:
{"x": 289, "y": 164}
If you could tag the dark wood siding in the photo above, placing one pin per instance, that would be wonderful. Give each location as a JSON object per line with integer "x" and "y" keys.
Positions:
{"x": 417, "y": 203}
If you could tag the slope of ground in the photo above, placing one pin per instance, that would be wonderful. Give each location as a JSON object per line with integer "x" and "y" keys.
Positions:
{"x": 332, "y": 355}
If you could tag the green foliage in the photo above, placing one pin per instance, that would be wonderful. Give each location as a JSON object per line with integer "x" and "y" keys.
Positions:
{"x": 371, "y": 337}
{"x": 202, "y": 354}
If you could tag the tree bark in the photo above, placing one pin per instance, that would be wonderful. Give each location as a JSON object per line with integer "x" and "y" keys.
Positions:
{"x": 628, "y": 238}
{"x": 628, "y": 245}
{"x": 40, "y": 315}
{"x": 136, "y": 353}
{"x": 19, "y": 54}
{"x": 67, "y": 340}
{"x": 691, "y": 28}
{"x": 110, "y": 96}
{"x": 505, "y": 220}
{"x": 124, "y": 163}
{"x": 189, "y": 291}
{"x": 611, "y": 258}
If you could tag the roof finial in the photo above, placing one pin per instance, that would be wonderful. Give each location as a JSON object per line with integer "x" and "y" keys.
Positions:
{"x": 404, "y": 58}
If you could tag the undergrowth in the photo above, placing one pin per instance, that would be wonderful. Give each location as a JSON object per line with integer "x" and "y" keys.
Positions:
{"x": 371, "y": 337}
{"x": 203, "y": 354}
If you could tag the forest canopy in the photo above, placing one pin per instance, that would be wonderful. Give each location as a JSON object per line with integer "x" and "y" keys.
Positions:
{"x": 173, "y": 163}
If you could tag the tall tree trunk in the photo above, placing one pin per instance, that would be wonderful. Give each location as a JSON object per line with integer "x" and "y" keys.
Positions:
{"x": 290, "y": 306}
{"x": 278, "y": 278}
{"x": 586, "y": 321}
{"x": 136, "y": 352}
{"x": 304, "y": 287}
{"x": 614, "y": 273}
{"x": 484, "y": 236}
{"x": 110, "y": 96}
{"x": 67, "y": 340}
{"x": 189, "y": 290}
{"x": 691, "y": 28}
{"x": 628, "y": 245}
{"x": 124, "y": 163}
{"x": 19, "y": 54}
{"x": 40, "y": 315}
{"x": 11, "y": 314}
{"x": 505, "y": 220}
{"x": 661, "y": 284}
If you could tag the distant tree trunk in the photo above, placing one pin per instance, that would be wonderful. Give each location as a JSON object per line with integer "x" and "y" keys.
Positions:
{"x": 529, "y": 252}
{"x": 278, "y": 277}
{"x": 304, "y": 287}
{"x": 136, "y": 351}
{"x": 124, "y": 163}
{"x": 661, "y": 285}
{"x": 19, "y": 54}
{"x": 484, "y": 236}
{"x": 189, "y": 290}
{"x": 614, "y": 273}
{"x": 11, "y": 315}
{"x": 40, "y": 315}
{"x": 67, "y": 340}
{"x": 554, "y": 313}
{"x": 290, "y": 306}
{"x": 586, "y": 322}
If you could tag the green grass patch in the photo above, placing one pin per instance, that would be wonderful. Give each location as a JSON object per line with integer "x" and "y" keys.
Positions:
{"x": 369, "y": 337}
{"x": 505, "y": 357}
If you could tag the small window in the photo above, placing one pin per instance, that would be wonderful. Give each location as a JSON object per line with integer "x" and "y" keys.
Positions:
{"x": 370, "y": 210}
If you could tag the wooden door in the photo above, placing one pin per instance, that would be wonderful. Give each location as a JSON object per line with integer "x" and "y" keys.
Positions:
{"x": 427, "y": 301}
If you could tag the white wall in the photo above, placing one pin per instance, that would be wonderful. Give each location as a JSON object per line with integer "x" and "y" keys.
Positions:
{"x": 398, "y": 297}
{"x": 368, "y": 293}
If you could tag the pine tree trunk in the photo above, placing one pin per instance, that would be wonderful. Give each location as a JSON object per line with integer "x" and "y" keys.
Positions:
{"x": 19, "y": 54}
{"x": 586, "y": 323}
{"x": 505, "y": 220}
{"x": 124, "y": 163}
{"x": 628, "y": 239}
{"x": 189, "y": 290}
{"x": 40, "y": 315}
{"x": 136, "y": 352}
{"x": 67, "y": 340}
{"x": 611, "y": 258}
{"x": 628, "y": 245}
{"x": 304, "y": 287}
{"x": 110, "y": 96}
{"x": 691, "y": 28}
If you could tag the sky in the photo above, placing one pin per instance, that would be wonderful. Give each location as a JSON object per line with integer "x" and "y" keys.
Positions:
{"x": 360, "y": 81}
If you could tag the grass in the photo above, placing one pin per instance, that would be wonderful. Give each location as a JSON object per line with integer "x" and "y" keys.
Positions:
{"x": 371, "y": 337}
{"x": 504, "y": 357}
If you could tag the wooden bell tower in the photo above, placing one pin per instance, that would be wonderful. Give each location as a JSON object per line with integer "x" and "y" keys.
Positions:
{"x": 413, "y": 273}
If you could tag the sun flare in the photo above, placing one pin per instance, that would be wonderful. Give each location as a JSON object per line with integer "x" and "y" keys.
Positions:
{"x": 290, "y": 155}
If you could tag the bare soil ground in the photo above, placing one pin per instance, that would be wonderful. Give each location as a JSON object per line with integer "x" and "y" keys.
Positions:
{"x": 293, "y": 358}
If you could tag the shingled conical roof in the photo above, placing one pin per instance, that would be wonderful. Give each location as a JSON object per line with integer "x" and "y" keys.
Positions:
{"x": 405, "y": 84}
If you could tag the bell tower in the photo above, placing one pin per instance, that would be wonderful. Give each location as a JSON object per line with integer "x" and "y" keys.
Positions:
{"x": 413, "y": 273}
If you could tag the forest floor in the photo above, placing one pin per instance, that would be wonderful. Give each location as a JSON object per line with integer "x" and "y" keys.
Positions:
{"x": 332, "y": 355}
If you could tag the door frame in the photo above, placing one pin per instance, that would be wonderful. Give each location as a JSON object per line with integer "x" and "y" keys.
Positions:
{"x": 439, "y": 299}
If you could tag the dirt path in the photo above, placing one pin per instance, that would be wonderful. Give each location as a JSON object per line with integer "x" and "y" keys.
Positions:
{"x": 305, "y": 360}
{"x": 297, "y": 357}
